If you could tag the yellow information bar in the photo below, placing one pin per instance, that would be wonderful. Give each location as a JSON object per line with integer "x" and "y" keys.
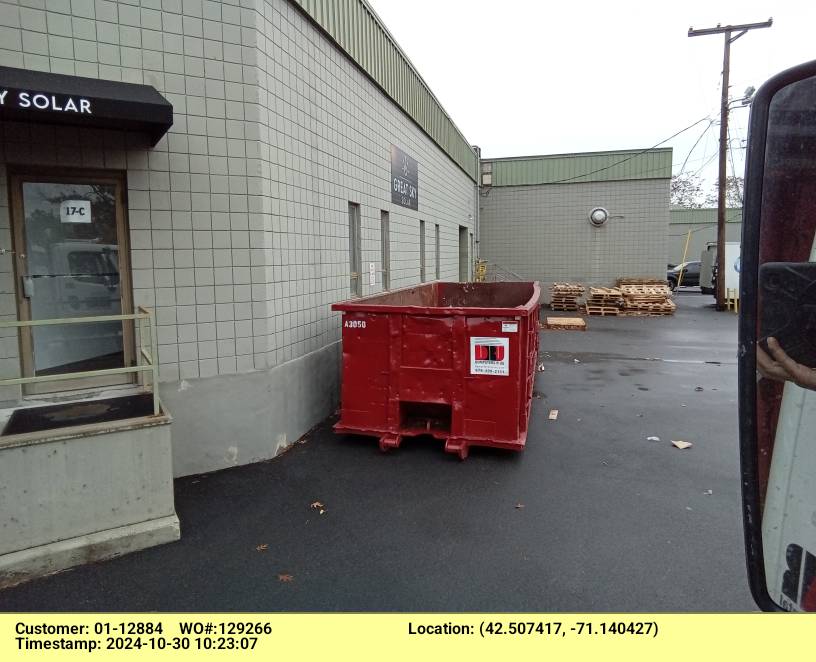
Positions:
{"x": 414, "y": 637}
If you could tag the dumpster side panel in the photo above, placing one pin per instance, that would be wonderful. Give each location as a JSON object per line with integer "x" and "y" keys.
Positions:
{"x": 427, "y": 342}
{"x": 366, "y": 370}
{"x": 495, "y": 370}
{"x": 426, "y": 359}
{"x": 530, "y": 340}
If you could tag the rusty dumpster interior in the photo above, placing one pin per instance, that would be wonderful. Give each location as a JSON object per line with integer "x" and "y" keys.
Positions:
{"x": 457, "y": 295}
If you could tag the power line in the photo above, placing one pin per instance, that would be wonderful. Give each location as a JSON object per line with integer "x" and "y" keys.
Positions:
{"x": 697, "y": 142}
{"x": 629, "y": 158}
{"x": 733, "y": 167}
{"x": 693, "y": 162}
{"x": 705, "y": 165}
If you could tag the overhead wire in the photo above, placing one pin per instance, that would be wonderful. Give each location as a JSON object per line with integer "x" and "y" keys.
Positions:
{"x": 629, "y": 158}
{"x": 733, "y": 167}
{"x": 705, "y": 165}
{"x": 693, "y": 147}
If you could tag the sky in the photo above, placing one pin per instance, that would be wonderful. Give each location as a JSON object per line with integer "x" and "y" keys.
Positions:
{"x": 521, "y": 77}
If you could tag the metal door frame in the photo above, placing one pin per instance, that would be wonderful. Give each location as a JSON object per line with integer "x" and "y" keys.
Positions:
{"x": 16, "y": 177}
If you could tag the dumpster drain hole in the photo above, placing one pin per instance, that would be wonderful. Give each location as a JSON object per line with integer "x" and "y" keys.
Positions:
{"x": 425, "y": 417}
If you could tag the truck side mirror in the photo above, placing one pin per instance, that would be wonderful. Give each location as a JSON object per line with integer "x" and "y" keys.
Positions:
{"x": 777, "y": 343}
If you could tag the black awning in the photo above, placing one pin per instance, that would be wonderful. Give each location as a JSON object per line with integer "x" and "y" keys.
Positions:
{"x": 36, "y": 96}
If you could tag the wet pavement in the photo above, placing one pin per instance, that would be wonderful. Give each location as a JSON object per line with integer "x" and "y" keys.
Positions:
{"x": 592, "y": 516}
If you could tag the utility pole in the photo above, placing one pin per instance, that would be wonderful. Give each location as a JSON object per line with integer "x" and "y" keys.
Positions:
{"x": 726, "y": 31}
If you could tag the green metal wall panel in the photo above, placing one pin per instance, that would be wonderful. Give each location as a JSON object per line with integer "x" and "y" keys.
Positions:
{"x": 354, "y": 26}
{"x": 586, "y": 167}
{"x": 678, "y": 215}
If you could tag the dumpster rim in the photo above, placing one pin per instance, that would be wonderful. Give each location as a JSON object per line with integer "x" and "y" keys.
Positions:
{"x": 361, "y": 306}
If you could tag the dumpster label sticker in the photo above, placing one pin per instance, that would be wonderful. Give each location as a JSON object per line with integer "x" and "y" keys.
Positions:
{"x": 490, "y": 356}
{"x": 509, "y": 327}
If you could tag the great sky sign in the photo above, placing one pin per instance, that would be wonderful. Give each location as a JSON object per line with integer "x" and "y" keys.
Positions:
{"x": 404, "y": 179}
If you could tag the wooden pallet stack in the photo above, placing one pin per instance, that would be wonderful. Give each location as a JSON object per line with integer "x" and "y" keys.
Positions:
{"x": 565, "y": 324}
{"x": 604, "y": 301}
{"x": 641, "y": 281}
{"x": 564, "y": 296}
{"x": 647, "y": 297}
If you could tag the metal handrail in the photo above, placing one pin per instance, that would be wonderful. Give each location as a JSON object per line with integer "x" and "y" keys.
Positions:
{"x": 495, "y": 273}
{"x": 141, "y": 315}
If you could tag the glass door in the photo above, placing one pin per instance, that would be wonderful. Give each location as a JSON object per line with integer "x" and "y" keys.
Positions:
{"x": 71, "y": 249}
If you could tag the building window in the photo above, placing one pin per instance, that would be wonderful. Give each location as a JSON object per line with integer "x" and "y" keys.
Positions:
{"x": 487, "y": 173}
{"x": 436, "y": 251}
{"x": 422, "y": 251}
{"x": 472, "y": 256}
{"x": 355, "y": 250}
{"x": 385, "y": 249}
{"x": 463, "y": 254}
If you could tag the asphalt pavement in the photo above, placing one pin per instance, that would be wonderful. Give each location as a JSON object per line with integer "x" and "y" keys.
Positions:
{"x": 592, "y": 516}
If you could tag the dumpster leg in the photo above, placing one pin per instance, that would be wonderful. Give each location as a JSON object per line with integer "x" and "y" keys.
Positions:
{"x": 390, "y": 441}
{"x": 458, "y": 446}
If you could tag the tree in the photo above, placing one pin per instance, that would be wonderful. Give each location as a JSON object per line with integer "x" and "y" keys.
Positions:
{"x": 733, "y": 193}
{"x": 686, "y": 190}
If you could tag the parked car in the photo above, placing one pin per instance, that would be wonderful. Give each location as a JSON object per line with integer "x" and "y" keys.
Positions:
{"x": 690, "y": 271}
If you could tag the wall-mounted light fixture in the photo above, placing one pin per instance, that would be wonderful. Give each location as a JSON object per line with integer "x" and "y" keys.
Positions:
{"x": 598, "y": 216}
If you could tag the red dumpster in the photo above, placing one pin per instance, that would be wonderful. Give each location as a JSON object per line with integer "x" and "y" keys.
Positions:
{"x": 452, "y": 360}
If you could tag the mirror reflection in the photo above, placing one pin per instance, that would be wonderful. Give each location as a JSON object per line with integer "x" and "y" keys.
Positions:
{"x": 786, "y": 349}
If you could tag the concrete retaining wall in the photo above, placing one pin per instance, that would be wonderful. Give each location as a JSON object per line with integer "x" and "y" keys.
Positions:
{"x": 231, "y": 420}
{"x": 66, "y": 500}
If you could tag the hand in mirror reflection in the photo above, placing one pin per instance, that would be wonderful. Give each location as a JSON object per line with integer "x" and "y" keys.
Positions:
{"x": 782, "y": 368}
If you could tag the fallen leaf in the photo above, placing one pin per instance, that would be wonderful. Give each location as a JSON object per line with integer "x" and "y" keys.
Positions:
{"x": 652, "y": 438}
{"x": 682, "y": 444}
{"x": 286, "y": 578}
{"x": 553, "y": 414}
{"x": 315, "y": 505}
{"x": 262, "y": 548}
{"x": 519, "y": 506}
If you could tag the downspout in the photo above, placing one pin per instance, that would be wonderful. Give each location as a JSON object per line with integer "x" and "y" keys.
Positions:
{"x": 477, "y": 195}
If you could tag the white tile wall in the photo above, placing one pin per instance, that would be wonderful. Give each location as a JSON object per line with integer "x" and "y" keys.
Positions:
{"x": 238, "y": 217}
